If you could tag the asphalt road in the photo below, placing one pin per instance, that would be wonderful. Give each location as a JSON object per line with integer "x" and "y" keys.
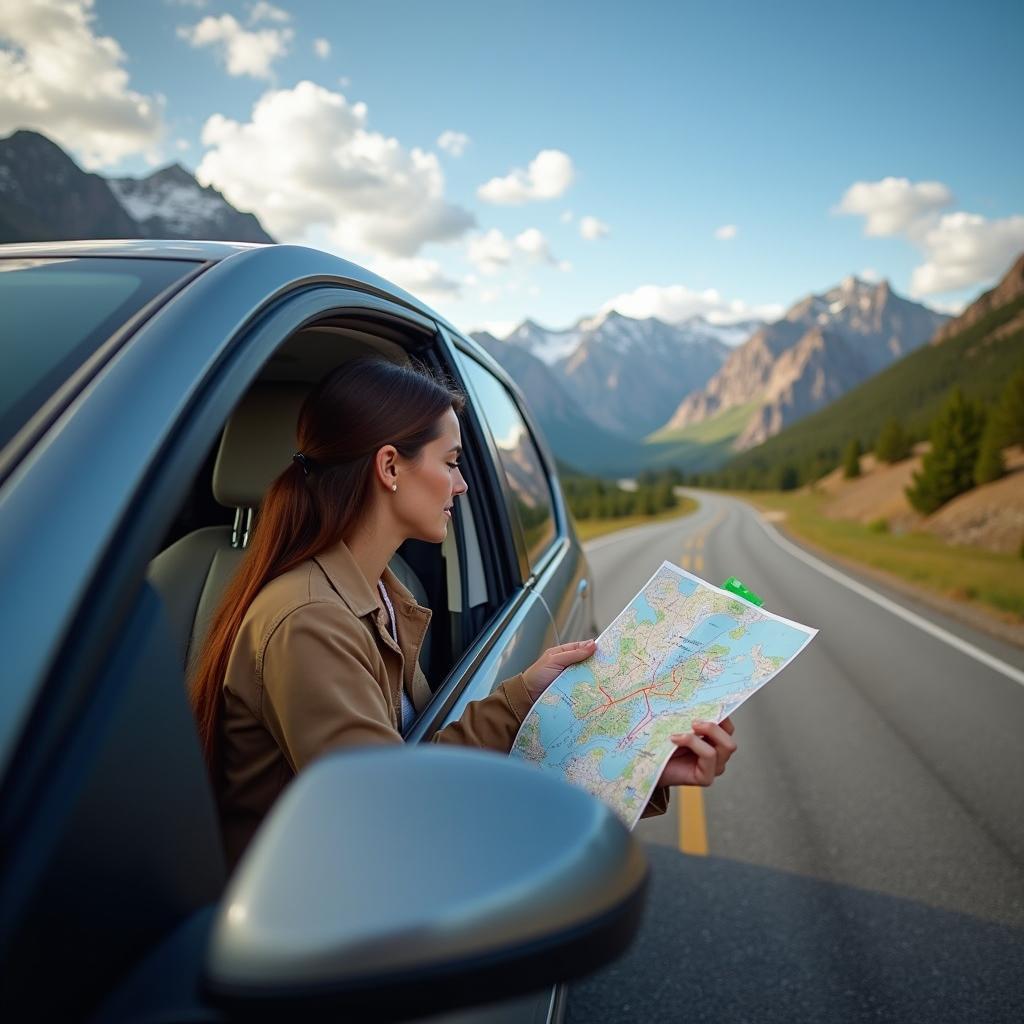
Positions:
{"x": 863, "y": 856}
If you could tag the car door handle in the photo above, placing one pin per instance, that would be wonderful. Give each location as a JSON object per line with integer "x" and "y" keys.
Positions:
{"x": 581, "y": 590}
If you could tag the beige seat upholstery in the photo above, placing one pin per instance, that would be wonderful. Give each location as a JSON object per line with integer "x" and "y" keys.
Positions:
{"x": 256, "y": 445}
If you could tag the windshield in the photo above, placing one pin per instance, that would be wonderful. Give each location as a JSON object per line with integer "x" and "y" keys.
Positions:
{"x": 54, "y": 313}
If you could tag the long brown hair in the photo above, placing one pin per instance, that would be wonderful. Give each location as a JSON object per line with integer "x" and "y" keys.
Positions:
{"x": 345, "y": 420}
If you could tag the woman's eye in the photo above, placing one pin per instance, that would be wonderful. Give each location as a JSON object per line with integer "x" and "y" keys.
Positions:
{"x": 453, "y": 465}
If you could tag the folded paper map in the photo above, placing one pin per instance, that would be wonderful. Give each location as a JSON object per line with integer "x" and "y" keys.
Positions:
{"x": 680, "y": 650}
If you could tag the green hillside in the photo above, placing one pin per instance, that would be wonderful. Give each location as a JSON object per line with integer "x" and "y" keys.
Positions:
{"x": 912, "y": 390}
{"x": 701, "y": 445}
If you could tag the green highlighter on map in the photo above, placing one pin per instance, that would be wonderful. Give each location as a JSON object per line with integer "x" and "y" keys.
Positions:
{"x": 737, "y": 587}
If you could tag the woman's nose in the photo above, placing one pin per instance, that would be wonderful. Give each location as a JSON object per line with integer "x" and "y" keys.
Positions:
{"x": 460, "y": 484}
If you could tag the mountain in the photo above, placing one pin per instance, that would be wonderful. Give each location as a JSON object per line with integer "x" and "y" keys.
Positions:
{"x": 575, "y": 438}
{"x": 171, "y": 204}
{"x": 977, "y": 352}
{"x": 824, "y": 346}
{"x": 1011, "y": 287}
{"x": 627, "y": 374}
{"x": 45, "y": 195}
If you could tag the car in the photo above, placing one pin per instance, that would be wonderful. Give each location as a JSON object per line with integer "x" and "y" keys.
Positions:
{"x": 149, "y": 394}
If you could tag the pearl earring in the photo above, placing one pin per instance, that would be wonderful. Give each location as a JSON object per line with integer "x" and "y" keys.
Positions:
{"x": 394, "y": 487}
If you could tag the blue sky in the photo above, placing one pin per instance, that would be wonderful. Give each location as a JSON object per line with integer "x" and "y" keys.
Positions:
{"x": 663, "y": 122}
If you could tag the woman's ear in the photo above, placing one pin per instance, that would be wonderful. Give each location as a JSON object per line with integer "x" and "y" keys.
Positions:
{"x": 386, "y": 466}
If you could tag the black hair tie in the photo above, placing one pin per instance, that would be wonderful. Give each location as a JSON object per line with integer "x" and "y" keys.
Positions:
{"x": 303, "y": 462}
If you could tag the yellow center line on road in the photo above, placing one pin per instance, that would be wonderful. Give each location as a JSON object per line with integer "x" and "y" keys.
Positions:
{"x": 693, "y": 829}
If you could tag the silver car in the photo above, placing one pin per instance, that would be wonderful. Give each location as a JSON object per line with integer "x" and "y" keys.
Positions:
{"x": 148, "y": 394}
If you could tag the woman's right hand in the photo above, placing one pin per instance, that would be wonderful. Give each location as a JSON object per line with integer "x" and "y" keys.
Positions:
{"x": 546, "y": 669}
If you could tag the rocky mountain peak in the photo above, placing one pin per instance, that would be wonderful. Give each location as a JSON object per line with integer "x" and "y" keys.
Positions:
{"x": 45, "y": 195}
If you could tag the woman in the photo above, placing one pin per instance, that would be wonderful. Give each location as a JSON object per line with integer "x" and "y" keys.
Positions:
{"x": 315, "y": 644}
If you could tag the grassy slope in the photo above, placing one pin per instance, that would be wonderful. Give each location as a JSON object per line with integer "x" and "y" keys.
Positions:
{"x": 991, "y": 580}
{"x": 912, "y": 389}
{"x": 701, "y": 445}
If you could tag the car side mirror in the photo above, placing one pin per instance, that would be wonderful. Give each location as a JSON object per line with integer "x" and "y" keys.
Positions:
{"x": 403, "y": 881}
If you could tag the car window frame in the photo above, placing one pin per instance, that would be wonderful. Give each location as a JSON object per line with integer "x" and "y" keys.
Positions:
{"x": 560, "y": 538}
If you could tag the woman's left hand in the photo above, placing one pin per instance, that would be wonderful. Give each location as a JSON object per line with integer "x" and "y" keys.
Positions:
{"x": 701, "y": 755}
{"x": 550, "y": 665}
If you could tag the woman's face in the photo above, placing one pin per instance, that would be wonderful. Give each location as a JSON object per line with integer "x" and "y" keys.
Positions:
{"x": 429, "y": 485}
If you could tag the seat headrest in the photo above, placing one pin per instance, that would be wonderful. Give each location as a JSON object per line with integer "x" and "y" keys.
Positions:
{"x": 257, "y": 444}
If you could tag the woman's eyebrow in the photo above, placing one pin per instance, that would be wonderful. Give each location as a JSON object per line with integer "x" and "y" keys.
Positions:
{"x": 457, "y": 449}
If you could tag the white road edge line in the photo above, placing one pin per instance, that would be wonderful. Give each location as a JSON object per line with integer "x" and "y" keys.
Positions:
{"x": 923, "y": 624}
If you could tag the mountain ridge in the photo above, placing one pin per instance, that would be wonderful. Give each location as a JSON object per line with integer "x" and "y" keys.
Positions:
{"x": 822, "y": 346}
{"x": 45, "y": 196}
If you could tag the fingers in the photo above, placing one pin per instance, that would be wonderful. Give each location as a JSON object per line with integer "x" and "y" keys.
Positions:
{"x": 726, "y": 724}
{"x": 569, "y": 654}
{"x": 705, "y": 769}
{"x": 720, "y": 738}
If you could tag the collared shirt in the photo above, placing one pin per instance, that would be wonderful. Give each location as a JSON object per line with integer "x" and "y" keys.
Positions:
{"x": 314, "y": 667}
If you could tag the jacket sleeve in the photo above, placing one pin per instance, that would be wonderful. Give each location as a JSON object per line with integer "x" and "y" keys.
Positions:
{"x": 491, "y": 723}
{"x": 319, "y": 686}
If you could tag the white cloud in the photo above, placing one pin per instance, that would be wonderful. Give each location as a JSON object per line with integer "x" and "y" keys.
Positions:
{"x": 566, "y": 216}
{"x": 453, "y": 143}
{"x": 894, "y": 206}
{"x": 182, "y": 144}
{"x": 365, "y": 190}
{"x": 501, "y": 329}
{"x": 422, "y": 277}
{"x": 726, "y": 233}
{"x": 57, "y": 76}
{"x": 322, "y": 48}
{"x": 344, "y": 81}
{"x": 965, "y": 249}
{"x": 548, "y": 176}
{"x": 263, "y": 11}
{"x": 674, "y": 303}
{"x": 591, "y": 228}
{"x": 870, "y": 274}
{"x": 535, "y": 245}
{"x": 960, "y": 249}
{"x": 490, "y": 251}
{"x": 244, "y": 52}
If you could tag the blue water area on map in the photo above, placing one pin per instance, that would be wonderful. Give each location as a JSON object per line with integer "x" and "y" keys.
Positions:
{"x": 644, "y": 612}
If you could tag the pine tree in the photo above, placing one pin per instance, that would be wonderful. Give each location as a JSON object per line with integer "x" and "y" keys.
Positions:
{"x": 1008, "y": 415}
{"x": 851, "y": 460}
{"x": 948, "y": 469}
{"x": 893, "y": 444}
{"x": 989, "y": 465}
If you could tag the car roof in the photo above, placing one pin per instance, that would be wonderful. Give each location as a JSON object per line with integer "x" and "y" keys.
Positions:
{"x": 215, "y": 252}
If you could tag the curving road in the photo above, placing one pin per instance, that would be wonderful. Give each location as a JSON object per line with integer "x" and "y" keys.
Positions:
{"x": 865, "y": 850}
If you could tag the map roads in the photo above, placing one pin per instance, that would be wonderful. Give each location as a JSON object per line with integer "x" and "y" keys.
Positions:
{"x": 680, "y": 650}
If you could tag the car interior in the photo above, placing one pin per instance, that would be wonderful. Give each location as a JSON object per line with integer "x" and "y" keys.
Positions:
{"x": 211, "y": 532}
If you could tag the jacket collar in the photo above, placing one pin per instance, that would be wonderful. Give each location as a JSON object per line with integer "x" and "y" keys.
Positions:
{"x": 341, "y": 569}
{"x": 347, "y": 579}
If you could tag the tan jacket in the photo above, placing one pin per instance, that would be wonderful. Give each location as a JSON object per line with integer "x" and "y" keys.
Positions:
{"x": 314, "y": 667}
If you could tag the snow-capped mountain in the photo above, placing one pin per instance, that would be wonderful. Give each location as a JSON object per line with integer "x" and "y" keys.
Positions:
{"x": 627, "y": 374}
{"x": 823, "y": 346}
{"x": 45, "y": 195}
{"x": 574, "y": 437}
{"x": 171, "y": 204}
